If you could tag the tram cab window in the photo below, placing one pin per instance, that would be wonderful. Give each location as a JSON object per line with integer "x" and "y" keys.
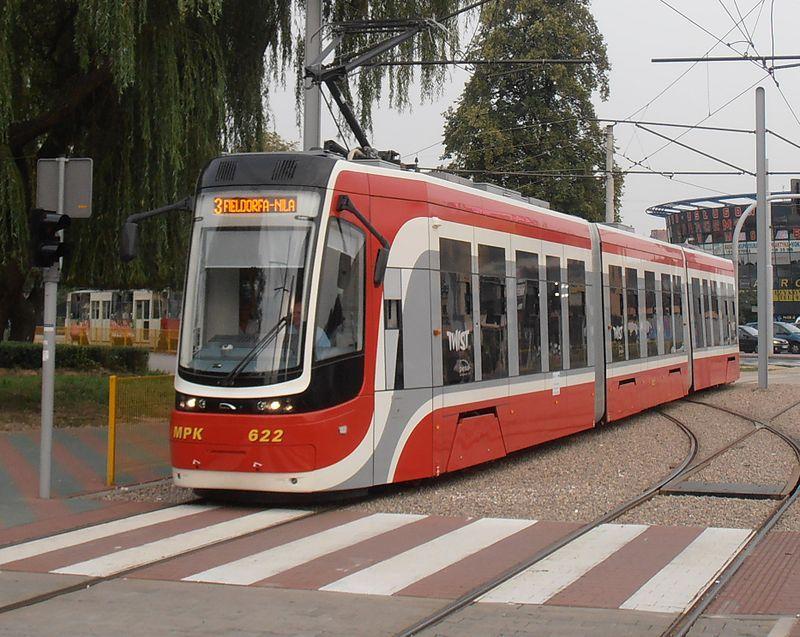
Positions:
{"x": 340, "y": 306}
{"x": 576, "y": 301}
{"x": 458, "y": 353}
{"x": 529, "y": 332}
{"x": 493, "y": 317}
{"x": 554, "y": 331}
{"x": 667, "y": 318}
{"x": 616, "y": 292}
{"x": 677, "y": 311}
{"x": 697, "y": 310}
{"x": 650, "y": 313}
{"x": 633, "y": 324}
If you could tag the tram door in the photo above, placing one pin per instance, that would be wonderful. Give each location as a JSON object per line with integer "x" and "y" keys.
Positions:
{"x": 100, "y": 316}
{"x": 142, "y": 307}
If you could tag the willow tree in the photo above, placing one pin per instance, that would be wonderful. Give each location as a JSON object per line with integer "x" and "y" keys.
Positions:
{"x": 150, "y": 89}
{"x": 536, "y": 118}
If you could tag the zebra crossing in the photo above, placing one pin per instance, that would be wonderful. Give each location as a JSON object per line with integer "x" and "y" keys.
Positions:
{"x": 627, "y": 566}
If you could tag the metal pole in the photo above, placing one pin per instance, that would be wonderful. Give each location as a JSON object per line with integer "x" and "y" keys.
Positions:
{"x": 609, "y": 174}
{"x": 50, "y": 277}
{"x": 762, "y": 234}
{"x": 312, "y": 111}
{"x": 736, "y": 232}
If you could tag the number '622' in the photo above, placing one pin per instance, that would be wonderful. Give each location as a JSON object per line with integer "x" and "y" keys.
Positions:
{"x": 265, "y": 435}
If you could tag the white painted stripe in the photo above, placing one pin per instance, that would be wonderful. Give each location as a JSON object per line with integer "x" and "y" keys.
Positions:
{"x": 180, "y": 543}
{"x": 783, "y": 627}
{"x": 98, "y": 531}
{"x": 254, "y": 568}
{"x": 554, "y": 573}
{"x": 389, "y": 576}
{"x": 679, "y": 583}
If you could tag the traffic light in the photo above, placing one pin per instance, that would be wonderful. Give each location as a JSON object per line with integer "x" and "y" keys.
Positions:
{"x": 46, "y": 246}
{"x": 795, "y": 189}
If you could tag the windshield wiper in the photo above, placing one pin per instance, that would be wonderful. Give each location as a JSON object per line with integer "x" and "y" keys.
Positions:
{"x": 265, "y": 340}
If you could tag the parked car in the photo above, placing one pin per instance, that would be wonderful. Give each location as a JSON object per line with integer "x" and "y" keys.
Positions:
{"x": 748, "y": 341}
{"x": 785, "y": 331}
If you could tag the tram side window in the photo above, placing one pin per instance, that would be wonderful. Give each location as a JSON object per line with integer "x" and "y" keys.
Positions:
{"x": 340, "y": 310}
{"x": 616, "y": 292}
{"x": 697, "y": 310}
{"x": 677, "y": 311}
{"x": 709, "y": 322}
{"x": 666, "y": 319}
{"x": 494, "y": 320}
{"x": 554, "y": 332}
{"x": 576, "y": 278}
{"x": 458, "y": 354}
{"x": 723, "y": 313}
{"x": 633, "y": 323}
{"x": 732, "y": 318}
{"x": 650, "y": 316}
{"x": 95, "y": 309}
{"x": 529, "y": 333}
{"x": 716, "y": 323}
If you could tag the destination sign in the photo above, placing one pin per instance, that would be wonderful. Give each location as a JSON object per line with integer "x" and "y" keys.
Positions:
{"x": 254, "y": 205}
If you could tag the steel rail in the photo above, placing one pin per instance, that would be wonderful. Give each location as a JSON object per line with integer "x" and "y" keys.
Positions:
{"x": 685, "y": 621}
{"x": 472, "y": 595}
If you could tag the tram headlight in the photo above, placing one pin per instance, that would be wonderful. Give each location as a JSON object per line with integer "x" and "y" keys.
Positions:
{"x": 190, "y": 403}
{"x": 274, "y": 406}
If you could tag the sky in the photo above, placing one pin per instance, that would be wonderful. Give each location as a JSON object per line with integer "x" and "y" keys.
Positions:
{"x": 719, "y": 94}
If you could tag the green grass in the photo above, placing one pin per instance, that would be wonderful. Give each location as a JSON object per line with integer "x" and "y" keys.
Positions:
{"x": 80, "y": 399}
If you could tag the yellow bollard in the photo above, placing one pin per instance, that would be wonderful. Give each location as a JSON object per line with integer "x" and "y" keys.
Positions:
{"x": 112, "y": 431}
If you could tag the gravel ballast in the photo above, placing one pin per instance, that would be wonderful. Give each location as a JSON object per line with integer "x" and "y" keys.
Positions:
{"x": 573, "y": 479}
{"x": 762, "y": 458}
{"x": 163, "y": 491}
{"x": 714, "y": 429}
{"x": 761, "y": 404}
{"x": 686, "y": 510}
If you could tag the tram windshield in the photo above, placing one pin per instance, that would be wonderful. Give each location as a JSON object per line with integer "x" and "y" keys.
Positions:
{"x": 247, "y": 286}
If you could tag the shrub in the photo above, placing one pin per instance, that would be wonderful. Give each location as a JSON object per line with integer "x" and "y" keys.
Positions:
{"x": 79, "y": 357}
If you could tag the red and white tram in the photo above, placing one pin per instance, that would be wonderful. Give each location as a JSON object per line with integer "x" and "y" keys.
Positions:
{"x": 348, "y": 324}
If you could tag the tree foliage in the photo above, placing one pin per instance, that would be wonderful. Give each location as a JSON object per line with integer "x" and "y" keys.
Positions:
{"x": 150, "y": 89}
{"x": 535, "y": 118}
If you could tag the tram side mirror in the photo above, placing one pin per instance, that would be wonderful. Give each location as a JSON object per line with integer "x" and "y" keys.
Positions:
{"x": 380, "y": 265}
{"x": 128, "y": 240}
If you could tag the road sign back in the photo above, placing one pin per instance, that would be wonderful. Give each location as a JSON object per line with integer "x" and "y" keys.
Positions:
{"x": 77, "y": 186}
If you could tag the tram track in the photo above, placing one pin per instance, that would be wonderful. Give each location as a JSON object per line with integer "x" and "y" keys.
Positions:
{"x": 683, "y": 622}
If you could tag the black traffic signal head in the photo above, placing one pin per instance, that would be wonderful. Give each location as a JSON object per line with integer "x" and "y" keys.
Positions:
{"x": 46, "y": 246}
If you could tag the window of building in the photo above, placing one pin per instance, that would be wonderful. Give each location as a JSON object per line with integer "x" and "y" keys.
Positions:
{"x": 458, "y": 354}
{"x": 554, "y": 331}
{"x": 650, "y": 313}
{"x": 494, "y": 323}
{"x": 576, "y": 301}
{"x": 529, "y": 333}
{"x": 632, "y": 325}
{"x": 697, "y": 310}
{"x": 667, "y": 318}
{"x": 677, "y": 311}
{"x": 616, "y": 292}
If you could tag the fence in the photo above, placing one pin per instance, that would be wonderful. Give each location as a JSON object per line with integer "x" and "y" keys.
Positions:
{"x": 138, "y": 428}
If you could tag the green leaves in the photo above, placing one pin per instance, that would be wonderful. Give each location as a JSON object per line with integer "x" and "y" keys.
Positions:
{"x": 535, "y": 118}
